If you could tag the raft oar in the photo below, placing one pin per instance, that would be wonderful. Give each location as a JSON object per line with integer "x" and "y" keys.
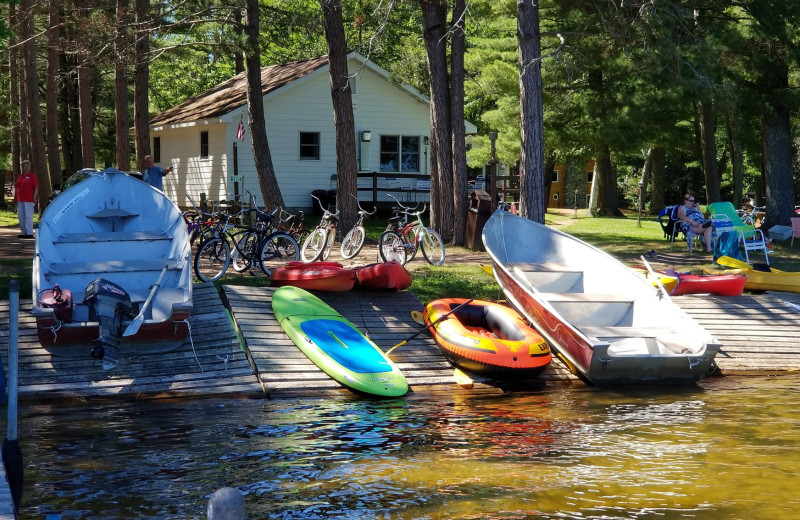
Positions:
{"x": 426, "y": 327}
{"x": 661, "y": 289}
{"x": 134, "y": 325}
{"x": 461, "y": 377}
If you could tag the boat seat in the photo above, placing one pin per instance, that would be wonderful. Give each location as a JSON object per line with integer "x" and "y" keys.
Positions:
{"x": 585, "y": 297}
{"x": 626, "y": 332}
{"x": 109, "y": 265}
{"x": 644, "y": 340}
{"x": 113, "y": 212}
{"x": 111, "y": 236}
{"x": 591, "y": 309}
{"x": 556, "y": 278}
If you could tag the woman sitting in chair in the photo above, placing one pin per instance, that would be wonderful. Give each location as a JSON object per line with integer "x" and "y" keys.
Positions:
{"x": 691, "y": 219}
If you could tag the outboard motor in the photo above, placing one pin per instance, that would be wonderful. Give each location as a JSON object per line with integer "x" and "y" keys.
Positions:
{"x": 108, "y": 304}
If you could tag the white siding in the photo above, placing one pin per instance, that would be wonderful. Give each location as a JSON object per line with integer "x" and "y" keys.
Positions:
{"x": 302, "y": 106}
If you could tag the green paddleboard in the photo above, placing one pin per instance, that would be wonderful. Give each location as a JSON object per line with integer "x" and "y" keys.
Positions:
{"x": 335, "y": 345}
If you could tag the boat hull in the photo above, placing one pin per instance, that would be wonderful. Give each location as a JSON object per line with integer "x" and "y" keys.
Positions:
{"x": 111, "y": 235}
{"x": 719, "y": 285}
{"x": 487, "y": 339}
{"x": 609, "y": 324}
{"x": 314, "y": 276}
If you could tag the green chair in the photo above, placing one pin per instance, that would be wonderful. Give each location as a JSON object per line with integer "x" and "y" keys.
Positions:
{"x": 726, "y": 219}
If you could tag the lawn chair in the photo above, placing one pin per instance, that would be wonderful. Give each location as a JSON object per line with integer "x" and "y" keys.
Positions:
{"x": 795, "y": 229}
{"x": 672, "y": 227}
{"x": 726, "y": 219}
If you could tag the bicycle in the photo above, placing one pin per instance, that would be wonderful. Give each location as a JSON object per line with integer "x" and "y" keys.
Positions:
{"x": 353, "y": 241}
{"x": 318, "y": 245}
{"x": 258, "y": 245}
{"x": 213, "y": 255}
{"x": 404, "y": 238}
{"x": 294, "y": 225}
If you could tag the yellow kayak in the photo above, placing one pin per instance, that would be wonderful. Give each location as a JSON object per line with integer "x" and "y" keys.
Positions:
{"x": 669, "y": 282}
{"x": 773, "y": 280}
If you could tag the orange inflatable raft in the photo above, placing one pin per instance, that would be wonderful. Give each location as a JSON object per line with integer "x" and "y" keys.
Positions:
{"x": 488, "y": 339}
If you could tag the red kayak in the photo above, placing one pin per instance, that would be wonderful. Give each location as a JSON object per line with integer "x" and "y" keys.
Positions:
{"x": 386, "y": 275}
{"x": 314, "y": 276}
{"x": 718, "y": 284}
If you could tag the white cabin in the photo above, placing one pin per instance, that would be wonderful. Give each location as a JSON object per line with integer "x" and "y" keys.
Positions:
{"x": 199, "y": 136}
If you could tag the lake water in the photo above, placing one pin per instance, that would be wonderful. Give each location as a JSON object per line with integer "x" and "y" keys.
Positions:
{"x": 725, "y": 449}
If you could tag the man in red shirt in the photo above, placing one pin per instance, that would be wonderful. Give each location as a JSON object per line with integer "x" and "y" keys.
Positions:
{"x": 26, "y": 192}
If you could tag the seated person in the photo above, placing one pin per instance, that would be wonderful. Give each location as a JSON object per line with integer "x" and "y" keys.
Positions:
{"x": 691, "y": 219}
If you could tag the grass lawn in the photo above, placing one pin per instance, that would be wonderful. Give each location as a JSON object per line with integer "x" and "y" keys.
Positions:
{"x": 626, "y": 238}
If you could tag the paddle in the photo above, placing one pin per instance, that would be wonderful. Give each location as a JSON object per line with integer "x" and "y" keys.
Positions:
{"x": 426, "y": 327}
{"x": 661, "y": 289}
{"x": 134, "y": 325}
{"x": 461, "y": 377}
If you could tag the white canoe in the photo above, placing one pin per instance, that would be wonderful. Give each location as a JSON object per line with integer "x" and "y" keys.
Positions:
{"x": 101, "y": 245}
{"x": 608, "y": 323}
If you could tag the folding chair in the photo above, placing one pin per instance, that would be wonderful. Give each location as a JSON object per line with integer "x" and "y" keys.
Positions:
{"x": 725, "y": 218}
{"x": 672, "y": 226}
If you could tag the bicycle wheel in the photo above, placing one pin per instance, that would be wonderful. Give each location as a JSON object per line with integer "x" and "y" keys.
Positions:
{"x": 245, "y": 251}
{"x": 353, "y": 242}
{"x": 276, "y": 250}
{"x": 392, "y": 248}
{"x": 432, "y": 246}
{"x": 314, "y": 245}
{"x": 326, "y": 252}
{"x": 212, "y": 260}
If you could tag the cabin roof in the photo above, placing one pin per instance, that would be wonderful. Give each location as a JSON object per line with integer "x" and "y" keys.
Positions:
{"x": 232, "y": 93}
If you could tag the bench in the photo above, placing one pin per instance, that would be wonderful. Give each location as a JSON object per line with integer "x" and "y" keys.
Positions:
{"x": 111, "y": 236}
{"x": 122, "y": 266}
{"x": 549, "y": 277}
{"x": 591, "y": 309}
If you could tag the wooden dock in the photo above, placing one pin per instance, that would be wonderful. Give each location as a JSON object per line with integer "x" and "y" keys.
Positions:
{"x": 757, "y": 332}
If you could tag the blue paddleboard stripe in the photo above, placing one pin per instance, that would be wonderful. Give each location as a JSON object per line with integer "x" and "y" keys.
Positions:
{"x": 345, "y": 345}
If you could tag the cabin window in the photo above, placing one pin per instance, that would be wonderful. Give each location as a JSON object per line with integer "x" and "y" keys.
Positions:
{"x": 309, "y": 146}
{"x": 204, "y": 144}
{"x": 554, "y": 178}
{"x": 400, "y": 153}
{"x": 156, "y": 149}
{"x": 589, "y": 175}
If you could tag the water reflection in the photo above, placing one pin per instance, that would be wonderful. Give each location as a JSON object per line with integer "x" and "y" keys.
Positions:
{"x": 723, "y": 449}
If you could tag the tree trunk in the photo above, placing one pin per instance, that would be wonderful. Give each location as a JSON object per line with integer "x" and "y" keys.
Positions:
{"x": 51, "y": 101}
{"x": 68, "y": 123}
{"x": 708, "y": 148}
{"x": 737, "y": 158}
{"x": 775, "y": 129}
{"x": 644, "y": 180}
{"x": 434, "y": 35}
{"x": 141, "y": 116}
{"x": 606, "y": 179}
{"x": 267, "y": 181}
{"x": 37, "y": 155}
{"x": 658, "y": 157}
{"x": 460, "y": 202}
{"x": 85, "y": 106}
{"x": 341, "y": 94}
{"x": 533, "y": 202}
{"x": 122, "y": 120}
{"x": 14, "y": 98}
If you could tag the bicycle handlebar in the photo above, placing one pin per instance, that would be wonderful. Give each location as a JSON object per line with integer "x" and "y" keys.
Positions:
{"x": 408, "y": 210}
{"x": 361, "y": 210}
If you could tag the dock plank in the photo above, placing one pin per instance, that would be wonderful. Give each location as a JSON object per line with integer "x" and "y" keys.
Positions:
{"x": 384, "y": 316}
